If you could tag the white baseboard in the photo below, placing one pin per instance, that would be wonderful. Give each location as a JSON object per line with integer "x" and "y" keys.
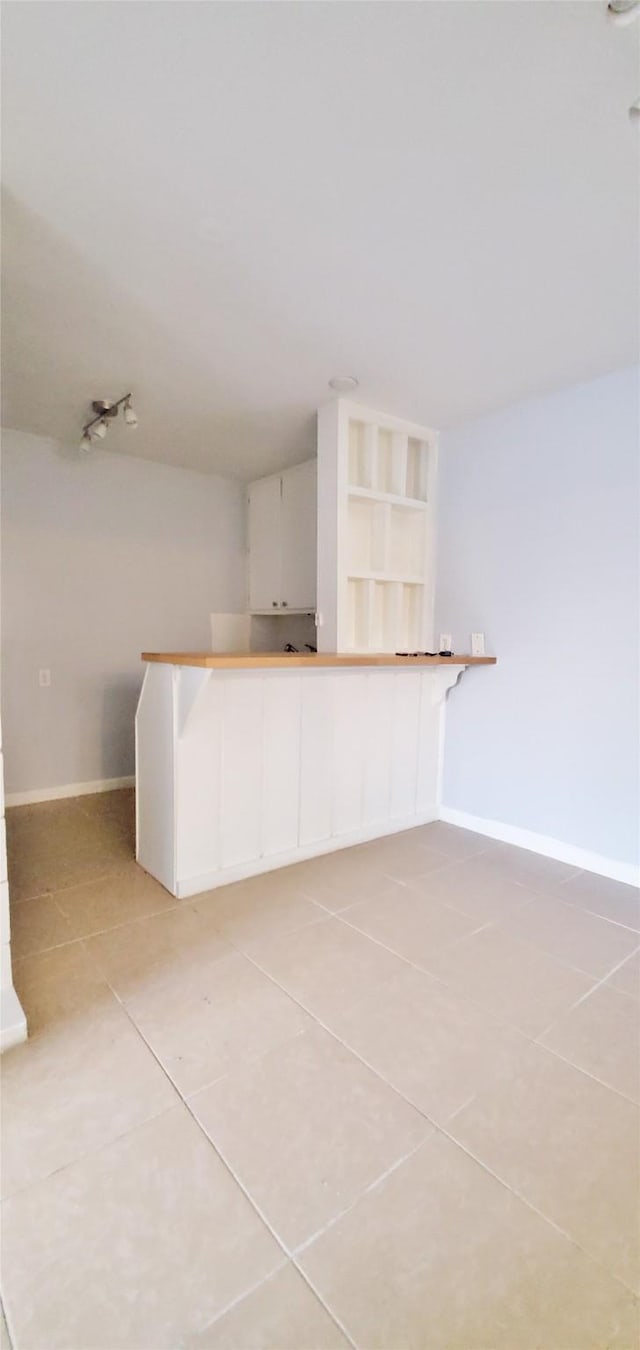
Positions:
{"x": 208, "y": 881}
{"x": 542, "y": 843}
{"x": 67, "y": 790}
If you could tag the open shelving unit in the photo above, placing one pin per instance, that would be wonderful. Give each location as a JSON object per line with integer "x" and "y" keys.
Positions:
{"x": 376, "y": 481}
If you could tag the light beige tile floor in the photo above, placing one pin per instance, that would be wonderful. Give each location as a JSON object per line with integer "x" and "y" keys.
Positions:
{"x": 387, "y": 1098}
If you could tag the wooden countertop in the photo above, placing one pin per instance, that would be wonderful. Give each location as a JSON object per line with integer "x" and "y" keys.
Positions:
{"x": 309, "y": 661}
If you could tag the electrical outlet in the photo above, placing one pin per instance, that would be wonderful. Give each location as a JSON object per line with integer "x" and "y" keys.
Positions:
{"x": 477, "y": 644}
{"x": 445, "y": 643}
{"x": 44, "y": 678}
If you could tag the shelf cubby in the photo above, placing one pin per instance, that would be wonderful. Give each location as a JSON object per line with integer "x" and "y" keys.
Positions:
{"x": 406, "y": 542}
{"x": 385, "y": 479}
{"x": 410, "y": 618}
{"x": 367, "y": 534}
{"x": 387, "y": 462}
{"x": 416, "y": 469}
{"x": 384, "y": 616}
{"x": 362, "y": 455}
{"x": 358, "y": 615}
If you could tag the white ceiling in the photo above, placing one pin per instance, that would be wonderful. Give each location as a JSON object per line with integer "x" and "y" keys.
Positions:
{"x": 221, "y": 205}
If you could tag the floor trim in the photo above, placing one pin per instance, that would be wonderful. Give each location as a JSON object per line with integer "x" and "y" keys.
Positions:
{"x": 542, "y": 843}
{"x": 68, "y": 790}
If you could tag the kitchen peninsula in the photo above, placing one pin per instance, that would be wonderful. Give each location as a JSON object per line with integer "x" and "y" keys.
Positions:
{"x": 246, "y": 763}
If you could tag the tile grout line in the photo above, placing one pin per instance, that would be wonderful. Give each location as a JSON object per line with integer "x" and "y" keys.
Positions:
{"x": 26, "y": 899}
{"x": 442, "y": 1130}
{"x": 539, "y": 888}
{"x": 411, "y": 882}
{"x": 608, "y": 1270}
{"x": 536, "y": 892}
{"x": 404, "y": 959}
{"x": 464, "y": 998}
{"x": 423, "y": 970}
{"x": 366, "y": 1190}
{"x": 583, "y": 997}
{"x": 587, "y": 1074}
{"x": 490, "y": 923}
{"x": 334, "y": 1034}
{"x": 321, "y": 1300}
{"x": 88, "y": 881}
{"x": 447, "y": 946}
{"x": 100, "y": 932}
{"x": 472, "y": 1003}
{"x": 88, "y": 1153}
{"x": 235, "y": 1301}
{"x": 280, "y": 1242}
{"x": 592, "y": 913}
{"x": 84, "y": 937}
{"x": 627, "y": 928}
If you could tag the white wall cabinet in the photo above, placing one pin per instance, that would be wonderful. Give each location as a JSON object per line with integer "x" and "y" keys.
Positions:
{"x": 376, "y": 531}
{"x": 265, "y": 546}
{"x": 282, "y": 541}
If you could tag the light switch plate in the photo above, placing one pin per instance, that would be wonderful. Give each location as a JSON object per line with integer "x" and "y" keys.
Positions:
{"x": 477, "y": 644}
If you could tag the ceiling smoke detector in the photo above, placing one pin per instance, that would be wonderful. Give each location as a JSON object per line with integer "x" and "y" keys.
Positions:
{"x": 343, "y": 384}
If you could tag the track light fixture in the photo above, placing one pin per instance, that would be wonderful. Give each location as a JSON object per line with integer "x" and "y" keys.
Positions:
{"x": 97, "y": 427}
{"x": 622, "y": 12}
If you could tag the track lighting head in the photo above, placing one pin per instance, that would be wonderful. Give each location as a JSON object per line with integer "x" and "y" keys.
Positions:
{"x": 623, "y": 12}
{"x": 129, "y": 414}
{"x": 105, "y": 411}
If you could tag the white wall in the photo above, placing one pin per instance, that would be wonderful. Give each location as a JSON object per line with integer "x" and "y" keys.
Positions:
{"x": 538, "y": 548}
{"x": 103, "y": 556}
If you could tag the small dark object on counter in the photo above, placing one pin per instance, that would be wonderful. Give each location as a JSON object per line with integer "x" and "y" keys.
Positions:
{"x": 424, "y": 653}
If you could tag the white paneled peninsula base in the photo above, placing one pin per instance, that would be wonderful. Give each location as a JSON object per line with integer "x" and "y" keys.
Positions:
{"x": 248, "y": 763}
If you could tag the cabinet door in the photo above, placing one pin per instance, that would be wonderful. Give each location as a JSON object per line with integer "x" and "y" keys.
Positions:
{"x": 299, "y": 529}
{"x": 264, "y": 543}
